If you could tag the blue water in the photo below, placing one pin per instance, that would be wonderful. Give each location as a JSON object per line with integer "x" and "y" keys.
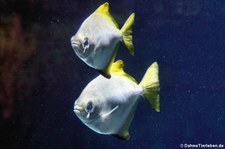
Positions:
{"x": 186, "y": 38}
{"x": 189, "y": 47}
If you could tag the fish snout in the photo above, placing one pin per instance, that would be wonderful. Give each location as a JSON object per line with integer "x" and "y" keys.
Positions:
{"x": 73, "y": 39}
{"x": 78, "y": 109}
{"x": 74, "y": 43}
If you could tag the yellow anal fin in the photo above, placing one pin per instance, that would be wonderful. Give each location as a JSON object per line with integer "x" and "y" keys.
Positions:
{"x": 124, "y": 136}
{"x": 104, "y": 74}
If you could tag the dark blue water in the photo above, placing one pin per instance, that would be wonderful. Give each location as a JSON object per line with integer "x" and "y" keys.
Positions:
{"x": 185, "y": 37}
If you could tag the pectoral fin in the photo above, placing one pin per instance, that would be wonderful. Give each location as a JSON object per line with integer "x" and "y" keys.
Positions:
{"x": 108, "y": 113}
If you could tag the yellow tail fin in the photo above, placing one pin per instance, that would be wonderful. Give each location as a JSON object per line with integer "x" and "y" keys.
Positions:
{"x": 150, "y": 83}
{"x": 127, "y": 33}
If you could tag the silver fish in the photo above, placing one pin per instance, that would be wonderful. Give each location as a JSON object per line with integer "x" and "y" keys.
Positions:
{"x": 107, "y": 106}
{"x": 96, "y": 41}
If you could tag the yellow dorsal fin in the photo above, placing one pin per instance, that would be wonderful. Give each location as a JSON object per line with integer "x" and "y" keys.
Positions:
{"x": 117, "y": 69}
{"x": 104, "y": 11}
{"x": 104, "y": 8}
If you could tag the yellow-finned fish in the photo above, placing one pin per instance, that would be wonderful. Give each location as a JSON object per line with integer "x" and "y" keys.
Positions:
{"x": 107, "y": 106}
{"x": 96, "y": 41}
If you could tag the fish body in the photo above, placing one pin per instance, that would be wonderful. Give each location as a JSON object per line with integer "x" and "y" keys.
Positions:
{"x": 107, "y": 106}
{"x": 96, "y": 41}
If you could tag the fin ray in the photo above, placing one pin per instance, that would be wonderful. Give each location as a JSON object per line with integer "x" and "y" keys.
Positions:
{"x": 127, "y": 33}
{"x": 150, "y": 83}
{"x": 117, "y": 68}
{"x": 104, "y": 8}
{"x": 104, "y": 11}
{"x": 108, "y": 113}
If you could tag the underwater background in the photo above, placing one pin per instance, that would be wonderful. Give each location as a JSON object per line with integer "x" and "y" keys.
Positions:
{"x": 41, "y": 77}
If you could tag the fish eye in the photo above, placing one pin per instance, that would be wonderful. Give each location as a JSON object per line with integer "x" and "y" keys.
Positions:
{"x": 89, "y": 107}
{"x": 85, "y": 44}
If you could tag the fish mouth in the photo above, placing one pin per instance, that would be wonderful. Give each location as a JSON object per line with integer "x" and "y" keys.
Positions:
{"x": 73, "y": 40}
{"x": 75, "y": 44}
{"x": 78, "y": 50}
{"x": 78, "y": 109}
{"x": 80, "y": 112}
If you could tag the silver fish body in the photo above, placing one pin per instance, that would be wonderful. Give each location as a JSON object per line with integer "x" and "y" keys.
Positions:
{"x": 96, "y": 41}
{"x": 116, "y": 98}
{"x": 103, "y": 38}
{"x": 107, "y": 106}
